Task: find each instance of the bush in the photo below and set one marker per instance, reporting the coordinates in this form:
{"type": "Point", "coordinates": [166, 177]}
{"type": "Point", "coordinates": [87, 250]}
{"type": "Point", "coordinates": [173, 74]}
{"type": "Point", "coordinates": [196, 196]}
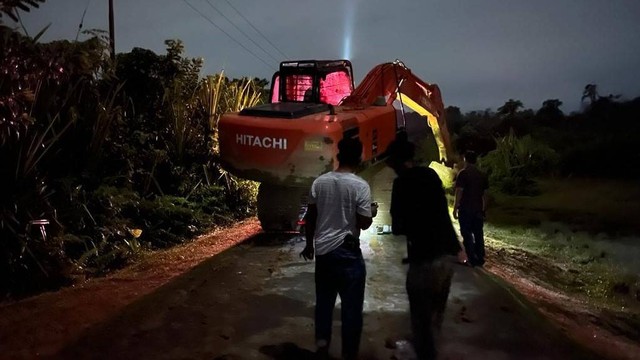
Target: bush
{"type": "Point", "coordinates": [118, 158]}
{"type": "Point", "coordinates": [514, 164]}
{"type": "Point", "coordinates": [48, 94]}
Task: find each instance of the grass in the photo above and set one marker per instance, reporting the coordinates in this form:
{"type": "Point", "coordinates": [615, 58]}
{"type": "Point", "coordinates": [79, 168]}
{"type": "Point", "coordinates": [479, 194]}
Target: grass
{"type": "Point", "coordinates": [590, 205]}
{"type": "Point", "coordinates": [584, 230]}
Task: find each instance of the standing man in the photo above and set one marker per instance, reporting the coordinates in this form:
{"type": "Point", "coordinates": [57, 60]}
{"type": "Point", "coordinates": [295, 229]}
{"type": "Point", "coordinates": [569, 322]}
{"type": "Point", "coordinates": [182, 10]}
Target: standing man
{"type": "Point", "coordinates": [419, 211]}
{"type": "Point", "coordinates": [470, 207]}
{"type": "Point", "coordinates": [339, 207]}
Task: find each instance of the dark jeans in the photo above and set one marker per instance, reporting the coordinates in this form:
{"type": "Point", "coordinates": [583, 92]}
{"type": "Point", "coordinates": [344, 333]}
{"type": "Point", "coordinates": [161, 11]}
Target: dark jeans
{"type": "Point", "coordinates": [342, 272]}
{"type": "Point", "coordinates": [472, 236]}
{"type": "Point", "coordinates": [428, 286]}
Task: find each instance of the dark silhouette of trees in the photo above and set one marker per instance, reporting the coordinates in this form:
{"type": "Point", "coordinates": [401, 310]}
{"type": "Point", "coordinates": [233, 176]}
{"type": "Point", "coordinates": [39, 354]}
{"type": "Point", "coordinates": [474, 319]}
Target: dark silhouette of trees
{"type": "Point", "coordinates": [599, 141]}
{"type": "Point", "coordinates": [10, 7]}
{"type": "Point", "coordinates": [512, 118]}
{"type": "Point", "coordinates": [455, 119]}
{"type": "Point", "coordinates": [510, 108]}
{"type": "Point", "coordinates": [95, 150]}
{"type": "Point", "coordinates": [550, 112]}
{"type": "Point", "coordinates": [590, 92]}
{"type": "Point", "coordinates": [552, 105]}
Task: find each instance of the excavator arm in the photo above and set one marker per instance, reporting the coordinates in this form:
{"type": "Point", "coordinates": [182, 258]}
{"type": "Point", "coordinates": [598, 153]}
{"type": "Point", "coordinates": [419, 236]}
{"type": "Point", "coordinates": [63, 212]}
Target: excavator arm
{"type": "Point", "coordinates": [394, 81]}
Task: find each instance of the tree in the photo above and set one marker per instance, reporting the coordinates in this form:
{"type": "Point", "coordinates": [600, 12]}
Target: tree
{"type": "Point", "coordinates": [142, 69]}
{"type": "Point", "coordinates": [455, 120]}
{"type": "Point", "coordinates": [9, 7]}
{"type": "Point", "coordinates": [550, 112]}
{"type": "Point", "coordinates": [510, 108]}
{"type": "Point", "coordinates": [55, 107]}
{"type": "Point", "coordinates": [590, 92]}
{"type": "Point", "coordinates": [552, 104]}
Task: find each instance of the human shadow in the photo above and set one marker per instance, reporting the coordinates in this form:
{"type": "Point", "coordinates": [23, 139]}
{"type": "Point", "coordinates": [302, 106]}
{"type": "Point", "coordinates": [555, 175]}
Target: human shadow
{"type": "Point", "coordinates": [289, 351]}
{"type": "Point", "coordinates": [257, 297]}
{"type": "Point", "coordinates": [223, 301]}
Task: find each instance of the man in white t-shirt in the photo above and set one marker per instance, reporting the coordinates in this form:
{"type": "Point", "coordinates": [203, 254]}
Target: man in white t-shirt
{"type": "Point", "coordinates": [339, 207]}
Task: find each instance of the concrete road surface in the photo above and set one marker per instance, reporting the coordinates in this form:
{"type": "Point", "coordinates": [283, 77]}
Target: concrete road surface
{"type": "Point", "coordinates": [255, 301]}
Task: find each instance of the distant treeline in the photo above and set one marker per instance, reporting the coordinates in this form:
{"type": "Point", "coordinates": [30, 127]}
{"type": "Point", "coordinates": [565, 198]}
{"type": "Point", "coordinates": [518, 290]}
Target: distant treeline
{"type": "Point", "coordinates": [519, 144]}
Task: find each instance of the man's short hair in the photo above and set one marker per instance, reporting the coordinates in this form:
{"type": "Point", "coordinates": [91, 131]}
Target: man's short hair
{"type": "Point", "coordinates": [400, 149]}
{"type": "Point", "coordinates": [349, 151]}
{"type": "Point", "coordinates": [470, 156]}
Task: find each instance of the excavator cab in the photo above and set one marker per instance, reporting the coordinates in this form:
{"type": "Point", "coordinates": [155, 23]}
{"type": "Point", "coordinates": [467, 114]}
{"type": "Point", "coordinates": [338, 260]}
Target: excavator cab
{"type": "Point", "coordinates": [312, 81]}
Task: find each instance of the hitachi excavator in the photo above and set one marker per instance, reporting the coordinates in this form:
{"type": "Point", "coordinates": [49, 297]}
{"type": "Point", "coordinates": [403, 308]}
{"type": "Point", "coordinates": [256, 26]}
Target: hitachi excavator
{"type": "Point", "coordinates": [286, 143]}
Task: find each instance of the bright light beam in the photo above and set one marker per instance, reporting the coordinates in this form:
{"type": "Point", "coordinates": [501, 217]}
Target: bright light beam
{"type": "Point", "coordinates": [346, 48]}
{"type": "Point", "coordinates": [349, 22]}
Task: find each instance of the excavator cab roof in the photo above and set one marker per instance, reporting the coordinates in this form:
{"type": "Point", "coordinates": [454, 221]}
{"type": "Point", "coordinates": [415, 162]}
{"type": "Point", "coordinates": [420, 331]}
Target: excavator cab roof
{"type": "Point", "coordinates": [319, 65]}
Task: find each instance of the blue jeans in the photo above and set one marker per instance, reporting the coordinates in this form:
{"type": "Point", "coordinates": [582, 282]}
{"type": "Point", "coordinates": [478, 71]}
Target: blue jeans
{"type": "Point", "coordinates": [342, 272]}
{"type": "Point", "coordinates": [471, 225]}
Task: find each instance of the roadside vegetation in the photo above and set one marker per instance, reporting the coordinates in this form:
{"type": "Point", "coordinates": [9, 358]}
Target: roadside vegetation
{"type": "Point", "coordinates": [105, 158]}
{"type": "Point", "coordinates": [564, 199]}
{"type": "Point", "coordinates": [587, 228]}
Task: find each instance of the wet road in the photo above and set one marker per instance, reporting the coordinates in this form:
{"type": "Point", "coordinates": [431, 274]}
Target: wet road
{"type": "Point", "coordinates": [255, 301]}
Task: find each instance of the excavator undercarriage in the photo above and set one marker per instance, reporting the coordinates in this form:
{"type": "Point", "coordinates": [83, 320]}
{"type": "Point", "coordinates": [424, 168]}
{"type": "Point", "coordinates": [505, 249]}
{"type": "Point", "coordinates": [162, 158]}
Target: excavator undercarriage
{"type": "Point", "coordinates": [281, 208]}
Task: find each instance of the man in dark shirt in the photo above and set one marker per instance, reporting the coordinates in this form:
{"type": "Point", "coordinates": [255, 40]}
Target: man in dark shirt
{"type": "Point", "coordinates": [419, 211]}
{"type": "Point", "coordinates": [470, 207]}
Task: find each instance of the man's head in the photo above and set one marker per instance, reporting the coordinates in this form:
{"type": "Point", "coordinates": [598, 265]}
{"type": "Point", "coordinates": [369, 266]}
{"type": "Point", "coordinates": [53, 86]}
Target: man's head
{"type": "Point", "coordinates": [349, 152]}
{"type": "Point", "coordinates": [399, 152]}
{"type": "Point", "coordinates": [470, 157]}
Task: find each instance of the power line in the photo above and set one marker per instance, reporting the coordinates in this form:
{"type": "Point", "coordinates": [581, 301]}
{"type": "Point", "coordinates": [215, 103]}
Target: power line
{"type": "Point", "coordinates": [243, 33]}
{"type": "Point", "coordinates": [256, 29]}
{"type": "Point", "coordinates": [271, 67]}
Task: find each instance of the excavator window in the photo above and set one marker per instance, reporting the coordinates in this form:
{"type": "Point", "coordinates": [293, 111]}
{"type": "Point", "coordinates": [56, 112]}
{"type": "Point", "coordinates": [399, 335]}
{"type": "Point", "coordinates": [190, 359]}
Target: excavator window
{"type": "Point", "coordinates": [274, 93]}
{"type": "Point", "coordinates": [296, 86]}
{"type": "Point", "coordinates": [319, 82]}
{"type": "Point", "coordinates": [334, 87]}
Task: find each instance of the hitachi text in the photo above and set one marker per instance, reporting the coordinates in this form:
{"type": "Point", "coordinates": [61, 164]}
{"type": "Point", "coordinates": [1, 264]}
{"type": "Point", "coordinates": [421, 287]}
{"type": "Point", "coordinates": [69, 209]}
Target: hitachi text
{"type": "Point", "coordinates": [263, 142]}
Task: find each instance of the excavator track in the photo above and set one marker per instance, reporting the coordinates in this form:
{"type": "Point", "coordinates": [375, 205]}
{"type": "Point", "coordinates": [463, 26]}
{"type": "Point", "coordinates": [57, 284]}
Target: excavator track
{"type": "Point", "coordinates": [279, 206]}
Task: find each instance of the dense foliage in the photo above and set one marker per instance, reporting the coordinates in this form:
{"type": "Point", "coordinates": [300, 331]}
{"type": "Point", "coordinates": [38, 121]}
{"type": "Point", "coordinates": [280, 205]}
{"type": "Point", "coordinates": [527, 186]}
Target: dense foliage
{"type": "Point", "coordinates": [10, 7]}
{"type": "Point", "coordinates": [101, 159]}
{"type": "Point", "coordinates": [517, 145]}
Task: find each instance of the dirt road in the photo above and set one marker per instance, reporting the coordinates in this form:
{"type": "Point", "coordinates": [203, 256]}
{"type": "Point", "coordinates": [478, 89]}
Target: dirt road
{"type": "Point", "coordinates": [255, 301]}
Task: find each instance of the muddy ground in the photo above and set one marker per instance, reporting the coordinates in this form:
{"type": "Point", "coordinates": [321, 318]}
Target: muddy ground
{"type": "Point", "coordinates": [43, 325]}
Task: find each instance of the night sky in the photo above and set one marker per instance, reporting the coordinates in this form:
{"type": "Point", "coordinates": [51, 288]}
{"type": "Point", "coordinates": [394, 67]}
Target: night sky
{"type": "Point", "coordinates": [480, 52]}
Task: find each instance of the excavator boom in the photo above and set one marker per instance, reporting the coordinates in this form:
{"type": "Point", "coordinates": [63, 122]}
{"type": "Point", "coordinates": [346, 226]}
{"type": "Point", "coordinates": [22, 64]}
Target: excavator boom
{"type": "Point", "coordinates": [394, 81]}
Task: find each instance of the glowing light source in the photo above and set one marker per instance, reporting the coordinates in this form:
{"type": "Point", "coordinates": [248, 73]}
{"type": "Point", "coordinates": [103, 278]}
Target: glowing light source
{"type": "Point", "coordinates": [349, 22]}
{"type": "Point", "coordinates": [346, 48]}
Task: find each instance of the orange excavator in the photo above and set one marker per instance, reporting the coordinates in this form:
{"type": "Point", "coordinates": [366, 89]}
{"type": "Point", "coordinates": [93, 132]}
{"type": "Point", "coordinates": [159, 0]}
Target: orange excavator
{"type": "Point", "coordinates": [286, 143]}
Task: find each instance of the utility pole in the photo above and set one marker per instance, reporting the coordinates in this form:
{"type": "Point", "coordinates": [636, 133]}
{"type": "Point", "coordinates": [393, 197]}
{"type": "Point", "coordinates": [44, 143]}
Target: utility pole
{"type": "Point", "coordinates": [112, 36]}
